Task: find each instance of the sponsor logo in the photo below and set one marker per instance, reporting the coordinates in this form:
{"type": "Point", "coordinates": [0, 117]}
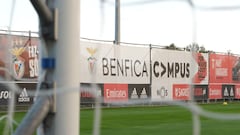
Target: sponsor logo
{"type": "Point", "coordinates": [215, 92]}
{"type": "Point", "coordinates": [124, 67]}
{"type": "Point", "coordinates": [18, 62]}
{"type": "Point", "coordinates": [200, 91]}
{"type": "Point", "coordinates": [227, 93]}
{"type": "Point", "coordinates": [143, 93]}
{"type": "Point", "coordinates": [5, 94]}
{"type": "Point", "coordinates": [115, 92]}
{"type": "Point", "coordinates": [171, 69]}
{"type": "Point", "coordinates": [85, 94]}
{"type": "Point", "coordinates": [92, 60]}
{"type": "Point", "coordinates": [23, 97]}
{"type": "Point", "coordinates": [18, 68]}
{"type": "Point", "coordinates": [139, 94]}
{"type": "Point", "coordinates": [162, 92]}
{"type": "Point", "coordinates": [181, 92]}
{"type": "Point", "coordinates": [134, 94]}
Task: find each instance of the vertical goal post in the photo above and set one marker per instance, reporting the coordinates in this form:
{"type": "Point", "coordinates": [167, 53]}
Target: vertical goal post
{"type": "Point", "coordinates": [60, 33]}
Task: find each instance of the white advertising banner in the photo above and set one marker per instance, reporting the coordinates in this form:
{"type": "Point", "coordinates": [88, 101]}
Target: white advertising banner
{"type": "Point", "coordinates": [108, 63]}
{"type": "Point", "coordinates": [173, 71]}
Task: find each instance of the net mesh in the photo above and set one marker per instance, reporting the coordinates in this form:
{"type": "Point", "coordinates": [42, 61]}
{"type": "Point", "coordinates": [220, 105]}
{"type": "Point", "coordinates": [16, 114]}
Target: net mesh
{"type": "Point", "coordinates": [13, 81]}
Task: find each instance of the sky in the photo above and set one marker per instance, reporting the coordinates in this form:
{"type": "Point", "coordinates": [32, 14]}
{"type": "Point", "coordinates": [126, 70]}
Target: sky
{"type": "Point", "coordinates": [158, 22]}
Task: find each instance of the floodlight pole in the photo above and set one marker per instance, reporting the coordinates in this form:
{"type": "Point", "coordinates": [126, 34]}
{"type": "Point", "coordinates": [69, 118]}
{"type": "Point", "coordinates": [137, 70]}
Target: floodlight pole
{"type": "Point", "coordinates": [117, 22]}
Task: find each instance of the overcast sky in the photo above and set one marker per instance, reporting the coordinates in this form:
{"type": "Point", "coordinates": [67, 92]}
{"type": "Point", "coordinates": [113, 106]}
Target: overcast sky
{"type": "Point", "coordinates": [145, 21]}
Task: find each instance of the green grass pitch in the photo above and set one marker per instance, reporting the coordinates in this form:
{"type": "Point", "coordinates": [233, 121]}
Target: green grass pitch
{"type": "Point", "coordinates": [154, 120]}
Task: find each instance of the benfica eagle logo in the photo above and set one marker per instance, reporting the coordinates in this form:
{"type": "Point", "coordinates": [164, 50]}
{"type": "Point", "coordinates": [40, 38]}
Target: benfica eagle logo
{"type": "Point", "coordinates": [92, 60]}
{"type": "Point", "coordinates": [18, 62]}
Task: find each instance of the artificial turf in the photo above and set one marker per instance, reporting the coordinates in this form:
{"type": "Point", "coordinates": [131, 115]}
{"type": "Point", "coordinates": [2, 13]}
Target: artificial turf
{"type": "Point", "coordinates": [160, 120]}
{"type": "Point", "coordinates": [153, 120]}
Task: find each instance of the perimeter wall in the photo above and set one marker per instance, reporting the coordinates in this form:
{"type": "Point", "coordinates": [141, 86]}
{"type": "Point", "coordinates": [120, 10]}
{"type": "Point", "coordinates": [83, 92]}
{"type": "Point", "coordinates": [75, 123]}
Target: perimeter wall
{"type": "Point", "coordinates": [126, 72]}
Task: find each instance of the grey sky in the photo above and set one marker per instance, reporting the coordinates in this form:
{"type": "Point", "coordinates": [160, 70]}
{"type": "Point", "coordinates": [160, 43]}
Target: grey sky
{"type": "Point", "coordinates": [155, 22]}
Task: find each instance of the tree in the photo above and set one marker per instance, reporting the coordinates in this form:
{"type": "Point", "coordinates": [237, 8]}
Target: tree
{"type": "Point", "coordinates": [172, 46]}
{"type": "Point", "coordinates": [195, 47]}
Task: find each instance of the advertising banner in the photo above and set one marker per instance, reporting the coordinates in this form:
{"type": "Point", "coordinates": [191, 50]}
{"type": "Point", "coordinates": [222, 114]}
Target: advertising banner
{"type": "Point", "coordinates": [215, 91]}
{"type": "Point", "coordinates": [21, 53]}
{"type": "Point", "coordinates": [200, 92]}
{"type": "Point", "coordinates": [108, 63]}
{"type": "Point", "coordinates": [22, 98]}
{"type": "Point", "coordinates": [237, 91]}
{"type": "Point", "coordinates": [173, 71]}
{"type": "Point", "coordinates": [228, 91]}
{"type": "Point", "coordinates": [112, 93]}
{"type": "Point", "coordinates": [181, 91]}
{"type": "Point", "coordinates": [115, 93]}
{"type": "Point", "coordinates": [5, 94]}
{"type": "Point", "coordinates": [224, 68]}
{"type": "Point", "coordinates": [87, 90]}
{"type": "Point", "coordinates": [201, 74]}
{"type": "Point", "coordinates": [139, 91]}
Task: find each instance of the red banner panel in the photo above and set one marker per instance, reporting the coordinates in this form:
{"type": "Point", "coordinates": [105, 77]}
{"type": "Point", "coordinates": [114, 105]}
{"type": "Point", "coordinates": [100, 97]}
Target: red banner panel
{"type": "Point", "coordinates": [181, 92]}
{"type": "Point", "coordinates": [237, 91]}
{"type": "Point", "coordinates": [202, 72]}
{"type": "Point", "coordinates": [115, 92]}
{"type": "Point", "coordinates": [224, 68]}
{"type": "Point", "coordinates": [215, 91]}
{"type": "Point", "coordinates": [219, 68]}
{"type": "Point", "coordinates": [22, 55]}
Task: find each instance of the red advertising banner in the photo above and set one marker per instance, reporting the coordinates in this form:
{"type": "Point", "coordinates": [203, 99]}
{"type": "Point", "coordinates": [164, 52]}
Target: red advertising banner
{"type": "Point", "coordinates": [237, 91]}
{"type": "Point", "coordinates": [202, 72]}
{"type": "Point", "coordinates": [219, 68]}
{"type": "Point", "coordinates": [22, 52]}
{"type": "Point", "coordinates": [224, 68]}
{"type": "Point", "coordinates": [215, 91]}
{"type": "Point", "coordinates": [181, 92]}
{"type": "Point", "coordinates": [115, 92]}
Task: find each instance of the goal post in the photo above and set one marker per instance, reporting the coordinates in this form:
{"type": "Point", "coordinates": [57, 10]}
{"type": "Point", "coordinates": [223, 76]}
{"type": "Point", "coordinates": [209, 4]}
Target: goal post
{"type": "Point", "coordinates": [67, 70]}
{"type": "Point", "coordinates": [60, 31]}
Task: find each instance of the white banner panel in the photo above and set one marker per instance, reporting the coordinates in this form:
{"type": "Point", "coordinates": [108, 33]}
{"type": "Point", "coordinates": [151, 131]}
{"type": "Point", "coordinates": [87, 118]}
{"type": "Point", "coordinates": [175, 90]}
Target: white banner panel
{"type": "Point", "coordinates": [105, 63]}
{"type": "Point", "coordinates": [173, 71]}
